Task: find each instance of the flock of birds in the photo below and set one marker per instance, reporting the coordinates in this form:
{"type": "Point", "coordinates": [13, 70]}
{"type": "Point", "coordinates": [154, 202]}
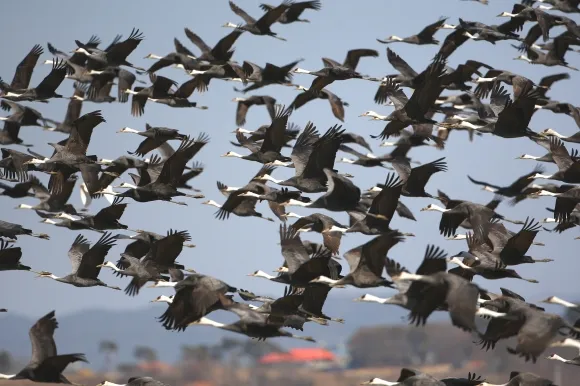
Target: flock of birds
{"type": "Point", "coordinates": [309, 270]}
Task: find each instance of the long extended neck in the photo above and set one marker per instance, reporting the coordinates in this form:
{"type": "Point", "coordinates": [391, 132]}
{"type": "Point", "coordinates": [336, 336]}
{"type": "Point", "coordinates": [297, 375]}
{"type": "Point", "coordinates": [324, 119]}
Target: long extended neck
{"type": "Point", "coordinates": [6, 376]}
{"type": "Point", "coordinates": [159, 284]}
{"type": "Point", "coordinates": [556, 357]}
{"type": "Point", "coordinates": [379, 381]}
{"type": "Point", "coordinates": [263, 275]}
{"type": "Point", "coordinates": [107, 383]}
{"type": "Point", "coordinates": [328, 281]}
{"type": "Point", "coordinates": [562, 302]}
{"type": "Point", "coordinates": [410, 277]}
{"type": "Point", "coordinates": [208, 322]}
{"type": "Point", "coordinates": [293, 202]}
{"type": "Point", "coordinates": [555, 133]}
{"type": "Point", "coordinates": [485, 312]}
{"type": "Point", "coordinates": [372, 299]}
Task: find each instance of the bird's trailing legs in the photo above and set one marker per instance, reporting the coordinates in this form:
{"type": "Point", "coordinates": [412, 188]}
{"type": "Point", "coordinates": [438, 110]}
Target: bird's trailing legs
{"type": "Point", "coordinates": [194, 195]}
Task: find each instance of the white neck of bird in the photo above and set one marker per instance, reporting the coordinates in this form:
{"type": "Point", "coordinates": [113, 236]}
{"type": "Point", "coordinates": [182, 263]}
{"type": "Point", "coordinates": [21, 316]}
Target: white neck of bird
{"type": "Point", "coordinates": [129, 130]}
{"type": "Point", "coordinates": [335, 228]}
{"type": "Point", "coordinates": [455, 260]}
{"type": "Point", "coordinates": [129, 91]}
{"type": "Point", "coordinates": [299, 70]}
{"type": "Point", "coordinates": [301, 88]}
{"type": "Point", "coordinates": [107, 383]}
{"type": "Point", "coordinates": [508, 14]}
{"type": "Point", "coordinates": [469, 35]}
{"type": "Point", "coordinates": [489, 189]}
{"type": "Point", "coordinates": [160, 284]}
{"type": "Point", "coordinates": [48, 61]}
{"type": "Point", "coordinates": [250, 194]}
{"type": "Point", "coordinates": [485, 312]}
{"type": "Point", "coordinates": [408, 276]}
{"type": "Point", "coordinates": [468, 125]}
{"type": "Point", "coordinates": [279, 163]}
{"type": "Point", "coordinates": [347, 160]}
{"type": "Point", "coordinates": [371, 299]}
{"type": "Point", "coordinates": [238, 99]}
{"type": "Point", "coordinates": [562, 302]}
{"type": "Point", "coordinates": [292, 215]}
{"type": "Point", "coordinates": [548, 220]}
{"type": "Point", "coordinates": [546, 7]}
{"type": "Point", "coordinates": [524, 58]}
{"type": "Point", "coordinates": [435, 208]}
{"type": "Point", "coordinates": [263, 275]}
{"type": "Point", "coordinates": [67, 216]}
{"type": "Point", "coordinates": [163, 299]}
{"type": "Point", "coordinates": [527, 156]}
{"type": "Point", "coordinates": [232, 154]}
{"type": "Point", "coordinates": [324, 280]}
{"type": "Point", "coordinates": [243, 131]}
{"type": "Point", "coordinates": [448, 26]}
{"type": "Point", "coordinates": [553, 132]}
{"type": "Point", "coordinates": [197, 72]}
{"type": "Point", "coordinates": [24, 206]}
{"type": "Point", "coordinates": [207, 322]}
{"type": "Point", "coordinates": [556, 357]}
{"type": "Point", "coordinates": [379, 381]}
{"type": "Point", "coordinates": [212, 203]}
{"type": "Point", "coordinates": [374, 115]}
{"type": "Point", "coordinates": [124, 185]}
{"type": "Point", "coordinates": [12, 94]}
{"type": "Point", "coordinates": [293, 202]}
{"type": "Point", "coordinates": [48, 221]}
{"type": "Point", "coordinates": [484, 80]}
{"type": "Point", "coordinates": [493, 384]}
{"type": "Point", "coordinates": [545, 192]}
{"type": "Point", "coordinates": [49, 275]}
{"type": "Point", "coordinates": [112, 266]}
{"type": "Point", "coordinates": [153, 56]}
{"type": "Point", "coordinates": [230, 25]}
{"type": "Point", "coordinates": [395, 38]}
{"type": "Point", "coordinates": [457, 237]}
{"type": "Point", "coordinates": [3, 118]}
{"type": "Point", "coordinates": [6, 376]}
{"type": "Point", "coordinates": [387, 144]}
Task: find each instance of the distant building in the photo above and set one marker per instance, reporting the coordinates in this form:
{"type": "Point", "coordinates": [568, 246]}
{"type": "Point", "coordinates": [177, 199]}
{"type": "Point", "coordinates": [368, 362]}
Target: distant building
{"type": "Point", "coordinates": [317, 357]}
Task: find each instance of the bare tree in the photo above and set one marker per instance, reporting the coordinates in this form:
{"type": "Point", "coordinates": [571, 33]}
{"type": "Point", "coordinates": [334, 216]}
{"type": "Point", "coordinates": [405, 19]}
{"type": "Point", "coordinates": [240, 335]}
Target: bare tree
{"type": "Point", "coordinates": [145, 353]}
{"type": "Point", "coordinates": [109, 350]}
{"type": "Point", "coordinates": [6, 361]}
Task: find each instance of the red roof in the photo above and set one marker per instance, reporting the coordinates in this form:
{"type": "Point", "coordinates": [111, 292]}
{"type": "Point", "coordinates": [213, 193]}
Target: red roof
{"type": "Point", "coordinates": [299, 355]}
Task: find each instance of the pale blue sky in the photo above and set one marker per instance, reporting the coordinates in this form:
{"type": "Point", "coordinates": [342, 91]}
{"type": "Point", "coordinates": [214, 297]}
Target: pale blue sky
{"type": "Point", "coordinates": [231, 249]}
